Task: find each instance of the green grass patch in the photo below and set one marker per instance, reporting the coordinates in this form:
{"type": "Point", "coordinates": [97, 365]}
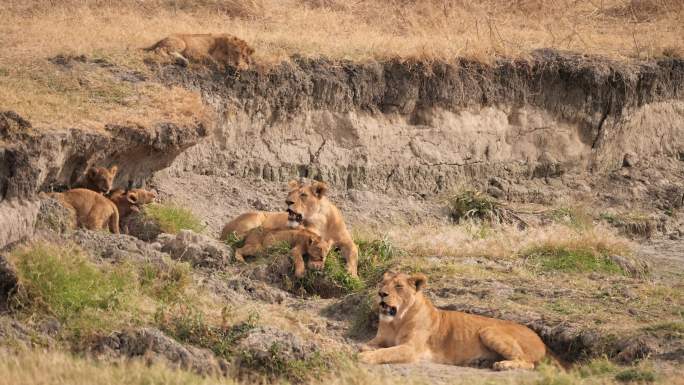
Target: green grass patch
{"type": "Point", "coordinates": [234, 241]}
{"type": "Point", "coordinates": [636, 375]}
{"type": "Point", "coordinates": [596, 367]}
{"type": "Point", "coordinates": [671, 330]}
{"type": "Point", "coordinates": [275, 365]}
{"type": "Point", "coordinates": [187, 324]}
{"type": "Point", "coordinates": [375, 257]}
{"type": "Point", "coordinates": [571, 260]}
{"type": "Point", "coordinates": [471, 204]}
{"type": "Point", "coordinates": [61, 282]}
{"type": "Point", "coordinates": [172, 218]}
{"type": "Point", "coordinates": [165, 282]}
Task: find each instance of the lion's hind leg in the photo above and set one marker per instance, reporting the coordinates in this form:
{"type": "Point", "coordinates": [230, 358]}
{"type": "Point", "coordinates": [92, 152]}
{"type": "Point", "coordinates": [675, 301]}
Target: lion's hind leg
{"type": "Point", "coordinates": [508, 347]}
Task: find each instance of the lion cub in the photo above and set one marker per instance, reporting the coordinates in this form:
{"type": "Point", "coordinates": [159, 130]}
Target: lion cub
{"type": "Point", "coordinates": [219, 48]}
{"type": "Point", "coordinates": [301, 241]}
{"type": "Point", "coordinates": [100, 179]}
{"type": "Point", "coordinates": [129, 202]}
{"type": "Point", "coordinates": [92, 210]}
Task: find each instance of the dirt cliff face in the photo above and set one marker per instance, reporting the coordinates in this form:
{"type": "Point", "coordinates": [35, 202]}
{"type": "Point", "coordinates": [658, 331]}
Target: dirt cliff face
{"type": "Point", "coordinates": [425, 127]}
{"type": "Point", "coordinates": [36, 159]}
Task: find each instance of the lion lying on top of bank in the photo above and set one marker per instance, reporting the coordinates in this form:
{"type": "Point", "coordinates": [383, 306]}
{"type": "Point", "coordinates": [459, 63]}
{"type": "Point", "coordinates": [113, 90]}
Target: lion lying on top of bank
{"type": "Point", "coordinates": [221, 49]}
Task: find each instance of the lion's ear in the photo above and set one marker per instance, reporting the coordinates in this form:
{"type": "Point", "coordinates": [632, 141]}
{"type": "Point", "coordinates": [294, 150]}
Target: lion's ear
{"type": "Point", "coordinates": [388, 274]}
{"type": "Point", "coordinates": [113, 170]}
{"type": "Point", "coordinates": [319, 188]}
{"type": "Point", "coordinates": [132, 197]}
{"type": "Point", "coordinates": [293, 184]}
{"type": "Point", "coordinates": [418, 280]}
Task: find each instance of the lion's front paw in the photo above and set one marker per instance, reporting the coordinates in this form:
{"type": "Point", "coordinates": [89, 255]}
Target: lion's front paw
{"type": "Point", "coordinates": [366, 357]}
{"type": "Point", "coordinates": [366, 348]}
{"type": "Point", "coordinates": [513, 364]}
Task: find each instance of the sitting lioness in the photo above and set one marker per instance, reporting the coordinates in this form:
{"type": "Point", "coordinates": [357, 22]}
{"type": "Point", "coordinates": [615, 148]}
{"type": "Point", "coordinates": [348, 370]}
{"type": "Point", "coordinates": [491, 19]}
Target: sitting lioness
{"type": "Point", "coordinates": [222, 48]}
{"type": "Point", "coordinates": [91, 210]}
{"type": "Point", "coordinates": [307, 207]}
{"type": "Point", "coordinates": [411, 329]}
{"type": "Point", "coordinates": [301, 241]}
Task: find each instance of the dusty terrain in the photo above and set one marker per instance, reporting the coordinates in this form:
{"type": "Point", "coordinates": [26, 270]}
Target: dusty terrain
{"type": "Point", "coordinates": [529, 159]}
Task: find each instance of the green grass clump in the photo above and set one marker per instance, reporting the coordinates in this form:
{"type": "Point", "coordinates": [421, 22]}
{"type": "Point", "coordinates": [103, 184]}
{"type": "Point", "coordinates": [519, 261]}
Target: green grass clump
{"type": "Point", "coordinates": [187, 324]}
{"type": "Point", "coordinates": [172, 218]}
{"type": "Point", "coordinates": [61, 282]}
{"type": "Point", "coordinates": [166, 281]}
{"type": "Point", "coordinates": [471, 204]}
{"type": "Point", "coordinates": [571, 260]}
{"type": "Point", "coordinates": [375, 257]}
{"type": "Point", "coordinates": [671, 330]}
{"type": "Point", "coordinates": [636, 375]}
{"type": "Point", "coordinates": [234, 241]}
{"type": "Point", "coordinates": [277, 365]}
{"type": "Point", "coordinates": [596, 367]}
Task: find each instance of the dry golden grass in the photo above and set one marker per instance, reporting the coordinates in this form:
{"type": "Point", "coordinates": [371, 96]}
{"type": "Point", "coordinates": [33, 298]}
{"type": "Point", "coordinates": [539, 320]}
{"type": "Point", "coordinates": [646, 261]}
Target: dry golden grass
{"type": "Point", "coordinates": [472, 239]}
{"type": "Point", "coordinates": [33, 30]}
{"type": "Point", "coordinates": [355, 29]}
{"type": "Point", "coordinates": [43, 368]}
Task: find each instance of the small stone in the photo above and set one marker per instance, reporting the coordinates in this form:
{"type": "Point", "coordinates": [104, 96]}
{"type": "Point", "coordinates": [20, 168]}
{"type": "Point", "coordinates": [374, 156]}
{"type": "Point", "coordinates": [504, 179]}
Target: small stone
{"type": "Point", "coordinates": [630, 159]}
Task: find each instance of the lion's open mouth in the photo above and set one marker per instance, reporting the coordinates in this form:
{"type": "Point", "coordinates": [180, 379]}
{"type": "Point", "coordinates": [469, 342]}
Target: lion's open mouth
{"type": "Point", "coordinates": [294, 217]}
{"type": "Point", "coordinates": [387, 310]}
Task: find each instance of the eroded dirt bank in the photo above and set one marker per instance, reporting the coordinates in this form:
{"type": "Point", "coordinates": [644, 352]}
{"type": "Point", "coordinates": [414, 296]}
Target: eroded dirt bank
{"type": "Point", "coordinates": [425, 127]}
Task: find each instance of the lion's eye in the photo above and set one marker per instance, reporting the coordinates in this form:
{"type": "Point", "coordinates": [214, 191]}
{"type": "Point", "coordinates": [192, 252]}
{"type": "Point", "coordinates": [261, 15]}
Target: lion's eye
{"type": "Point", "coordinates": [302, 195]}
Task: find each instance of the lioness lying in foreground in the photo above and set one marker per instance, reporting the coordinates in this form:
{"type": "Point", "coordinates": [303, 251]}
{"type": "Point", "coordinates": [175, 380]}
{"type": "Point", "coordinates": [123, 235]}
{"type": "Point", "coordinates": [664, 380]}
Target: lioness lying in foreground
{"type": "Point", "coordinates": [411, 329]}
{"type": "Point", "coordinates": [301, 241]}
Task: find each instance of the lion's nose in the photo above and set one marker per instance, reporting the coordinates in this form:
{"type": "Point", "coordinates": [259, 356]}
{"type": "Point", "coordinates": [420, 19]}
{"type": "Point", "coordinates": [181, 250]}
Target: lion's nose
{"type": "Point", "coordinates": [289, 202]}
{"type": "Point", "coordinates": [382, 294]}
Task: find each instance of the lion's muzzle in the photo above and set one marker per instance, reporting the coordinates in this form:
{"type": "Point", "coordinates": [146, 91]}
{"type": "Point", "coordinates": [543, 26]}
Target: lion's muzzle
{"type": "Point", "coordinates": [387, 310]}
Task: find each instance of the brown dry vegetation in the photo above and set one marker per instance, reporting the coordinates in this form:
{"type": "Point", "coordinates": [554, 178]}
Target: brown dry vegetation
{"type": "Point", "coordinates": [32, 31]}
{"type": "Point", "coordinates": [355, 29]}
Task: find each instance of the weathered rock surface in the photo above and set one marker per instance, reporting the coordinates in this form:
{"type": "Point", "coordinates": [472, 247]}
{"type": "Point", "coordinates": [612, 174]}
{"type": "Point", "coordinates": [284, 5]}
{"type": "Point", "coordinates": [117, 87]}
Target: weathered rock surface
{"type": "Point", "coordinates": [262, 343]}
{"type": "Point", "coordinates": [153, 346]}
{"type": "Point", "coordinates": [199, 250]}
{"type": "Point", "coordinates": [116, 247]}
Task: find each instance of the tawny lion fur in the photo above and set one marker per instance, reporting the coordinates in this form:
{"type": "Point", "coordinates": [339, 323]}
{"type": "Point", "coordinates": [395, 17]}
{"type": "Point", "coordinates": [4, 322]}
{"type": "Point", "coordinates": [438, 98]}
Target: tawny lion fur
{"type": "Point", "coordinates": [223, 49]}
{"type": "Point", "coordinates": [130, 202]}
{"type": "Point", "coordinates": [308, 208]}
{"type": "Point", "coordinates": [91, 210]}
{"type": "Point", "coordinates": [100, 179]}
{"type": "Point", "coordinates": [411, 329]}
{"type": "Point", "coordinates": [301, 241]}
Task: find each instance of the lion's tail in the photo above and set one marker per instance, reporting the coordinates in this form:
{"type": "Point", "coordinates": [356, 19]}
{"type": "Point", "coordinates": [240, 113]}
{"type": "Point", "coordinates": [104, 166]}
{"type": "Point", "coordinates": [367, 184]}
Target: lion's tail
{"type": "Point", "coordinates": [561, 363]}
